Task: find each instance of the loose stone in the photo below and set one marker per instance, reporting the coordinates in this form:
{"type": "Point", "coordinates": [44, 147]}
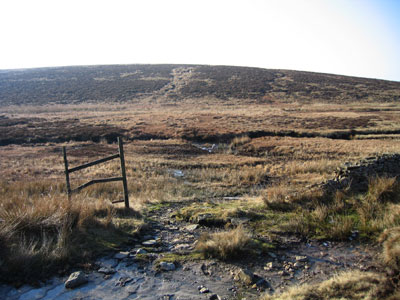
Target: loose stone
{"type": "Point", "coordinates": [149, 243]}
{"type": "Point", "coordinates": [75, 279]}
{"type": "Point", "coordinates": [121, 255]}
{"type": "Point", "coordinates": [106, 270]}
{"type": "Point", "coordinates": [141, 251]}
{"type": "Point", "coordinates": [166, 266]}
{"type": "Point", "coordinates": [301, 258]}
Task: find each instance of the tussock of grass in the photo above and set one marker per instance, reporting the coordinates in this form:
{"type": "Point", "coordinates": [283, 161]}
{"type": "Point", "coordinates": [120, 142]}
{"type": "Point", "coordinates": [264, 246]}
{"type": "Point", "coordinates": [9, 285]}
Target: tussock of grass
{"type": "Point", "coordinates": [391, 248]}
{"type": "Point", "coordinates": [277, 198]}
{"type": "Point", "coordinates": [225, 245]}
{"type": "Point", "coordinates": [380, 191]}
{"type": "Point", "coordinates": [353, 285]}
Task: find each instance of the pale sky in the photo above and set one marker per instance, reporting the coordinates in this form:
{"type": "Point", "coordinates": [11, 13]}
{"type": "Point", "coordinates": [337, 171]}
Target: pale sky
{"type": "Point", "coordinates": [349, 37]}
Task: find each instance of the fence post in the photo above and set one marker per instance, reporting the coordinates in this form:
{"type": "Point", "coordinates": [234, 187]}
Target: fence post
{"type": "Point", "coordinates": [123, 173]}
{"type": "Point", "coordinates": [67, 173]}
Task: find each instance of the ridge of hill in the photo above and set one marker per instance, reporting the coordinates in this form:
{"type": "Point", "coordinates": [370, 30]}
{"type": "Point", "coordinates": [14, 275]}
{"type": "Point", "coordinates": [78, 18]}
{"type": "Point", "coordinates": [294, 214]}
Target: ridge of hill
{"type": "Point", "coordinates": [171, 83]}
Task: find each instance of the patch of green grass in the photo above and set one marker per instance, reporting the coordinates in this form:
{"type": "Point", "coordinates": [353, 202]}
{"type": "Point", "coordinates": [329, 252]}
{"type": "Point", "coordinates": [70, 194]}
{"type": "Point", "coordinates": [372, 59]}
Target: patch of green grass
{"type": "Point", "coordinates": [179, 258]}
{"type": "Point", "coordinates": [155, 206]}
{"type": "Point", "coordinates": [221, 211]}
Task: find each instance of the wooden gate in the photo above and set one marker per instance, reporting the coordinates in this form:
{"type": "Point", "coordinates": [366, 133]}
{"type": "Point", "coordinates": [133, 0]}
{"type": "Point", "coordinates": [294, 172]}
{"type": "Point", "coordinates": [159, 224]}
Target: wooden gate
{"type": "Point", "coordinates": [120, 154]}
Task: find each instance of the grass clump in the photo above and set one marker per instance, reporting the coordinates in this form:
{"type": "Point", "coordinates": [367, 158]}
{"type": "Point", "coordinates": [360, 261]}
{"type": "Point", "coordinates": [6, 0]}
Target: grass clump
{"type": "Point", "coordinates": [353, 285]}
{"type": "Point", "coordinates": [276, 198]}
{"type": "Point", "coordinates": [225, 245]}
{"type": "Point", "coordinates": [391, 248]}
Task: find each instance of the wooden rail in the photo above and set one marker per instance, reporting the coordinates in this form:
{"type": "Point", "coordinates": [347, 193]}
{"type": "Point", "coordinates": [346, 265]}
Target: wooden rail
{"type": "Point", "coordinates": [101, 180]}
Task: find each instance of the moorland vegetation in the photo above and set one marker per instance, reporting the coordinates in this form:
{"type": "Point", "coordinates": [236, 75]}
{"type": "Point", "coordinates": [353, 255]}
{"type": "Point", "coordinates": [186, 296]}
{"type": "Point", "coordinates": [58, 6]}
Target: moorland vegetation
{"type": "Point", "coordinates": [224, 142]}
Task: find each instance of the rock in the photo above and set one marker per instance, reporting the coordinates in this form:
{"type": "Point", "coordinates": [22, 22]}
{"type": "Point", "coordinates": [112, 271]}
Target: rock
{"type": "Point", "coordinates": [203, 217]}
{"type": "Point", "coordinates": [204, 290]}
{"type": "Point", "coordinates": [106, 270]}
{"type": "Point", "coordinates": [261, 283]}
{"type": "Point", "coordinates": [271, 265]}
{"type": "Point", "coordinates": [121, 255]}
{"type": "Point", "coordinates": [239, 221]}
{"type": "Point", "coordinates": [75, 279]}
{"type": "Point", "coordinates": [192, 228]}
{"type": "Point", "coordinates": [273, 255]}
{"type": "Point", "coordinates": [122, 281]}
{"type": "Point", "coordinates": [205, 270]}
{"type": "Point", "coordinates": [215, 297]}
{"type": "Point", "coordinates": [301, 258]}
{"type": "Point", "coordinates": [166, 266]}
{"type": "Point", "coordinates": [208, 220]}
{"type": "Point", "coordinates": [181, 247]}
{"type": "Point", "coordinates": [141, 251]}
{"type": "Point", "coordinates": [245, 276]}
{"type": "Point", "coordinates": [149, 243]}
{"type": "Point", "coordinates": [283, 273]}
{"type": "Point", "coordinates": [108, 263]}
{"type": "Point", "coordinates": [297, 264]}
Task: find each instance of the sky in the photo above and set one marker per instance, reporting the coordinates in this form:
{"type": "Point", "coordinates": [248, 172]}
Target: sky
{"type": "Point", "coordinates": [348, 37]}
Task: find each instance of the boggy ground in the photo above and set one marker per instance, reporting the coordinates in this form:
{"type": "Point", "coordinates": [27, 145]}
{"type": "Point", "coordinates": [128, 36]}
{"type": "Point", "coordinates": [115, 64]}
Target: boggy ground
{"type": "Point", "coordinates": [268, 186]}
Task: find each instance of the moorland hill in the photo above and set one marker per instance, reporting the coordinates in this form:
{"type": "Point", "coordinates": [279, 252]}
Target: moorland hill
{"type": "Point", "coordinates": [171, 83]}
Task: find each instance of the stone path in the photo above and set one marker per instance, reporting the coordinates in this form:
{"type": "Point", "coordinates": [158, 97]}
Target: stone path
{"type": "Point", "coordinates": [123, 276]}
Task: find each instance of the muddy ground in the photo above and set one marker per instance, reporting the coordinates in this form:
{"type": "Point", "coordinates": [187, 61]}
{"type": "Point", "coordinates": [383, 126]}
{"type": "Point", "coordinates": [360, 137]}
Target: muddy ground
{"type": "Point", "coordinates": [136, 273]}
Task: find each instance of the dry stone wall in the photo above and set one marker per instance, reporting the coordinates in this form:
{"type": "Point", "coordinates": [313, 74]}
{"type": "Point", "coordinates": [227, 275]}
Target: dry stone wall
{"type": "Point", "coordinates": [356, 175]}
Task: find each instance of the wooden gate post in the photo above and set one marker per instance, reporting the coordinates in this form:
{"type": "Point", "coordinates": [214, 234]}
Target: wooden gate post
{"type": "Point", "coordinates": [67, 173]}
{"type": "Point", "coordinates": [101, 180]}
{"type": "Point", "coordinates": [123, 173]}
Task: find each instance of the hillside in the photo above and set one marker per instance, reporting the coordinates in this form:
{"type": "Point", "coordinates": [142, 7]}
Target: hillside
{"type": "Point", "coordinates": [169, 83]}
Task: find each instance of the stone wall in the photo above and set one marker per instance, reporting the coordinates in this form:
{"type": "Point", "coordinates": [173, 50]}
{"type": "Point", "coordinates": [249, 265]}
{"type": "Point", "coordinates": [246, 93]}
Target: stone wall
{"type": "Point", "coordinates": [356, 175]}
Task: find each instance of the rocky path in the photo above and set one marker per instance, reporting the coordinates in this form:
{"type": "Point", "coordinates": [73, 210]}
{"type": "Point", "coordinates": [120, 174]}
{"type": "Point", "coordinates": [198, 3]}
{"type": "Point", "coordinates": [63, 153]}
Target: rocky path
{"type": "Point", "coordinates": [136, 272]}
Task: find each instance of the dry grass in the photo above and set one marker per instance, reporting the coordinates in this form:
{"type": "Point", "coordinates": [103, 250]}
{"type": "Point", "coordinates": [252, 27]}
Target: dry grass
{"type": "Point", "coordinates": [41, 231]}
{"type": "Point", "coordinates": [279, 169]}
{"type": "Point", "coordinates": [391, 248]}
{"type": "Point", "coordinates": [225, 245]}
{"type": "Point", "coordinates": [377, 209]}
{"type": "Point", "coordinates": [353, 285]}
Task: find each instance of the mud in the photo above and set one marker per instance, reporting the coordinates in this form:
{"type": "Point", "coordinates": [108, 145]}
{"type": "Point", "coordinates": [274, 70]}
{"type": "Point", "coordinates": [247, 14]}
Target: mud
{"type": "Point", "coordinates": [293, 262]}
